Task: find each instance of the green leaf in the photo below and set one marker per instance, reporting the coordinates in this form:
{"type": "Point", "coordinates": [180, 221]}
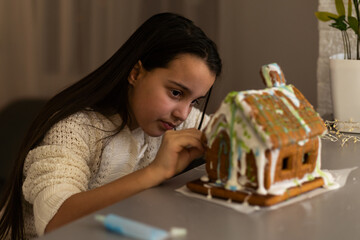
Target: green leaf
{"type": "Point", "coordinates": [340, 8]}
{"type": "Point", "coordinates": [353, 23]}
{"type": "Point", "coordinates": [325, 16]}
{"type": "Point", "coordinates": [339, 23]}
{"type": "Point", "coordinates": [349, 8]}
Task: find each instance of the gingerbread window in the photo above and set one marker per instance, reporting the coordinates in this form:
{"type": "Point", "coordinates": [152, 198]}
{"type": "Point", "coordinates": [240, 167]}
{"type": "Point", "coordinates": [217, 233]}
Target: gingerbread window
{"type": "Point", "coordinates": [286, 164]}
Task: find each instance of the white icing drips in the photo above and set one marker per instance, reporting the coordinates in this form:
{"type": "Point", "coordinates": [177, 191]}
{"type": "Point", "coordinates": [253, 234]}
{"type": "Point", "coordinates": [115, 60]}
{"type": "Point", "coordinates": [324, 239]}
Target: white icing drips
{"type": "Point", "coordinates": [243, 164]}
{"type": "Point", "coordinates": [204, 178]}
{"type": "Point", "coordinates": [260, 163]}
{"type": "Point", "coordinates": [288, 91]}
{"type": "Point", "coordinates": [274, 159]}
{"type": "Point", "coordinates": [209, 196]}
{"type": "Point", "coordinates": [232, 183]}
{"type": "Point", "coordinates": [302, 143]}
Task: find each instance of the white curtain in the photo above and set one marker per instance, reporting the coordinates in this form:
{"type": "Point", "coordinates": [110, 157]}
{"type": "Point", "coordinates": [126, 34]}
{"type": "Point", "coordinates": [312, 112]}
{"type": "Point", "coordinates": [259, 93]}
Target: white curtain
{"type": "Point", "coordinates": [47, 45]}
{"type": "Point", "coordinates": [330, 42]}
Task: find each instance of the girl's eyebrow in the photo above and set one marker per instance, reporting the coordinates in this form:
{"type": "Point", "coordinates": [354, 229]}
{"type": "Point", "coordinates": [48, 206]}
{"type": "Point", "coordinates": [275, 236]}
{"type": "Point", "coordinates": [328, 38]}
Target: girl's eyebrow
{"type": "Point", "coordinates": [181, 86]}
{"type": "Point", "coordinates": [184, 88]}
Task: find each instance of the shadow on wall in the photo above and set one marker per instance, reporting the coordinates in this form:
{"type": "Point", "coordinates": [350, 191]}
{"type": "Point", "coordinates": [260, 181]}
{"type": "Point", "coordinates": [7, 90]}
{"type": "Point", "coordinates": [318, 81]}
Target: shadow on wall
{"type": "Point", "coordinates": [15, 120]}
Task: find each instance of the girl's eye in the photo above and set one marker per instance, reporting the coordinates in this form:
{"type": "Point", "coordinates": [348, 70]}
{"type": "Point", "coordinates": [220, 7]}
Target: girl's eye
{"type": "Point", "coordinates": [176, 93]}
{"type": "Point", "coordinates": [195, 102]}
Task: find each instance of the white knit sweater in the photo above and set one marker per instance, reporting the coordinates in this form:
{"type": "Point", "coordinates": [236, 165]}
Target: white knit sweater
{"type": "Point", "coordinates": [78, 154]}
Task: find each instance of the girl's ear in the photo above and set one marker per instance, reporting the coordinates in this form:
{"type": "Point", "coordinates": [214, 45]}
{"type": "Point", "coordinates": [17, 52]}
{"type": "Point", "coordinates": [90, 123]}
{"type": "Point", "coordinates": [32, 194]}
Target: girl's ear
{"type": "Point", "coordinates": [134, 73]}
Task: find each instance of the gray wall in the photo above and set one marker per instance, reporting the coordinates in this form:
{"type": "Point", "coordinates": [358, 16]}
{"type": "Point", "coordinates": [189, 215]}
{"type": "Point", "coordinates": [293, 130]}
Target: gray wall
{"type": "Point", "coordinates": [253, 33]}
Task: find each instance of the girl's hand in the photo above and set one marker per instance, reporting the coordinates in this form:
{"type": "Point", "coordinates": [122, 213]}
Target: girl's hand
{"type": "Point", "coordinates": [177, 150]}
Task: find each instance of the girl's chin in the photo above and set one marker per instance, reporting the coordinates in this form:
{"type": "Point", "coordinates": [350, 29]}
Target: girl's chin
{"type": "Point", "coordinates": [154, 133]}
{"type": "Point", "coordinates": [154, 130]}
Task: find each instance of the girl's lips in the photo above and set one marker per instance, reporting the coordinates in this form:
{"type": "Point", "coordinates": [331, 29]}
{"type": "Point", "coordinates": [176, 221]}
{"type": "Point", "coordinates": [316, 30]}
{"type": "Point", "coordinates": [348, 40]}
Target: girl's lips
{"type": "Point", "coordinates": [167, 125]}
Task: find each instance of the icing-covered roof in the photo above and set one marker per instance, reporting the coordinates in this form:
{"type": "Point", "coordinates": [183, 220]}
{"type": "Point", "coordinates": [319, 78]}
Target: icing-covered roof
{"type": "Point", "coordinates": [276, 116]}
{"type": "Point", "coordinates": [279, 115]}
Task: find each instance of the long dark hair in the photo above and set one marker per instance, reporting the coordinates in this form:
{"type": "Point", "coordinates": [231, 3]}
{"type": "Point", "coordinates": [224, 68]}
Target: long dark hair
{"type": "Point", "coordinates": [155, 43]}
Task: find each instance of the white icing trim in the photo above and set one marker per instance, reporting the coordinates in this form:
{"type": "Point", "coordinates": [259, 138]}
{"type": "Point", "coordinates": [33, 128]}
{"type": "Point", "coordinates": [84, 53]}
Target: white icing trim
{"type": "Point", "coordinates": [288, 91]}
{"type": "Point", "coordinates": [261, 161]}
{"type": "Point", "coordinates": [232, 183]}
{"type": "Point", "coordinates": [274, 158]}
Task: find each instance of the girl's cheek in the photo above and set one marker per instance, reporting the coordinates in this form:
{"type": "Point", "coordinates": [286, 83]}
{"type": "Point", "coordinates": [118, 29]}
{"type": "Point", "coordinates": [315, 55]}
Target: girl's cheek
{"type": "Point", "coordinates": [166, 100]}
{"type": "Point", "coordinates": [166, 106]}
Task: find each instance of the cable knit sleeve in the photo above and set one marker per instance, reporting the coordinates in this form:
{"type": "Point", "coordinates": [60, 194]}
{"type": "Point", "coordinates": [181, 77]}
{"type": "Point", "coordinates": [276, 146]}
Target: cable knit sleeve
{"type": "Point", "coordinates": [60, 166]}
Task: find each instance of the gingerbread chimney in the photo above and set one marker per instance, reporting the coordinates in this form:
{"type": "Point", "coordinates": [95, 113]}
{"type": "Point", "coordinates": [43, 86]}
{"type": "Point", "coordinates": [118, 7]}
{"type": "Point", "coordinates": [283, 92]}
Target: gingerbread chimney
{"type": "Point", "coordinates": [272, 75]}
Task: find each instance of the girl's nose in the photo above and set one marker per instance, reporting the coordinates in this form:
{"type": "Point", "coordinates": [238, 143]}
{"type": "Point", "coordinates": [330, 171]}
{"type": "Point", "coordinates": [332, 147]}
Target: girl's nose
{"type": "Point", "coordinates": [181, 111]}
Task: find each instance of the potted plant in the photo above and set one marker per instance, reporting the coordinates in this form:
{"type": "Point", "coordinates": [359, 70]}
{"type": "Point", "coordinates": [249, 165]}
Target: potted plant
{"type": "Point", "coordinates": [345, 67]}
{"type": "Point", "coordinates": [343, 22]}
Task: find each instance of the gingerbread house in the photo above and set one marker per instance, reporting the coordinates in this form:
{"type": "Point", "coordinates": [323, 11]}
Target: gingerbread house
{"type": "Point", "coordinates": [263, 146]}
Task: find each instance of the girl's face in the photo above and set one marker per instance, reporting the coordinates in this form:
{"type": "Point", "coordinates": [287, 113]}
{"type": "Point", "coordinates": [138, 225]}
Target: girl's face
{"type": "Point", "coordinates": [162, 98]}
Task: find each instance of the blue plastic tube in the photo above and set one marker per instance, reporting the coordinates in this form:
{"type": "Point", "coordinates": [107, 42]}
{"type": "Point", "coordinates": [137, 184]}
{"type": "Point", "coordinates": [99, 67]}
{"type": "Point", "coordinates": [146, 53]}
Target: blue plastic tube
{"type": "Point", "coordinates": [131, 228]}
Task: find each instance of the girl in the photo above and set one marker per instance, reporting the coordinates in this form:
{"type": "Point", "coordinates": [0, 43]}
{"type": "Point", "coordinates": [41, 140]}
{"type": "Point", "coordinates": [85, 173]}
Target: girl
{"type": "Point", "coordinates": [112, 134]}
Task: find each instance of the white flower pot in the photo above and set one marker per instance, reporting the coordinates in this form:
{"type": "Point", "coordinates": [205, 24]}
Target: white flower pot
{"type": "Point", "coordinates": [345, 88]}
